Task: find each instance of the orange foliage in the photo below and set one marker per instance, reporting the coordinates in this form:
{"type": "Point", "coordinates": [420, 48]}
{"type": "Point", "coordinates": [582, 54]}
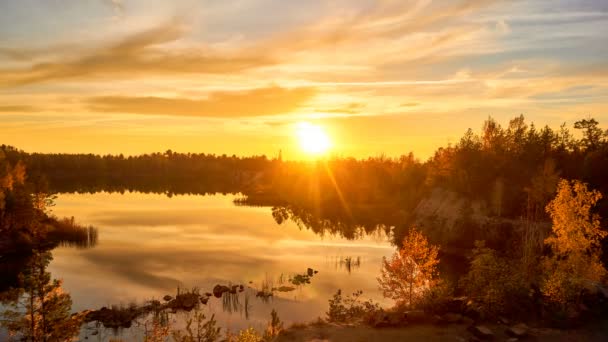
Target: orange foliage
{"type": "Point", "coordinates": [411, 271]}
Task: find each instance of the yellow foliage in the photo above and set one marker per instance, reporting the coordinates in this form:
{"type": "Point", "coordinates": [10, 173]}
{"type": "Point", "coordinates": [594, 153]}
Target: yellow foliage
{"type": "Point", "coordinates": [575, 244]}
{"type": "Point", "coordinates": [411, 271]}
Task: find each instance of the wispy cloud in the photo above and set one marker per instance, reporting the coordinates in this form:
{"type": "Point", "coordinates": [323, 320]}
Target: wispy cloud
{"type": "Point", "coordinates": [137, 55]}
{"type": "Point", "coordinates": [257, 102]}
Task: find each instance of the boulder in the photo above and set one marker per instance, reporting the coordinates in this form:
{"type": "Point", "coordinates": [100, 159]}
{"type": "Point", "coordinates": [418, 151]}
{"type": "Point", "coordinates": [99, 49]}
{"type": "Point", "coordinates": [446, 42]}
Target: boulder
{"type": "Point", "coordinates": [503, 320]}
{"type": "Point", "coordinates": [219, 290]}
{"type": "Point", "coordinates": [518, 330]}
{"type": "Point", "coordinates": [384, 319]}
{"type": "Point", "coordinates": [457, 304]}
{"type": "Point", "coordinates": [310, 272]}
{"type": "Point", "coordinates": [482, 332]}
{"type": "Point", "coordinates": [467, 320]}
{"type": "Point", "coordinates": [452, 318]}
{"type": "Point", "coordinates": [167, 298]}
{"type": "Point", "coordinates": [417, 316]}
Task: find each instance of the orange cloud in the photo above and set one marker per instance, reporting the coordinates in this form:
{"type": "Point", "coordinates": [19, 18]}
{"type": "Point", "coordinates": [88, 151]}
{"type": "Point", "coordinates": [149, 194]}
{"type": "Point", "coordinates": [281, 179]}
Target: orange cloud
{"type": "Point", "coordinates": [133, 56]}
{"type": "Point", "coordinates": [257, 102]}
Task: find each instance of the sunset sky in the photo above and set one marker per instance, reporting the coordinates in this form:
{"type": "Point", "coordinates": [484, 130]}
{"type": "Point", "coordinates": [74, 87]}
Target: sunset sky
{"type": "Point", "coordinates": [237, 77]}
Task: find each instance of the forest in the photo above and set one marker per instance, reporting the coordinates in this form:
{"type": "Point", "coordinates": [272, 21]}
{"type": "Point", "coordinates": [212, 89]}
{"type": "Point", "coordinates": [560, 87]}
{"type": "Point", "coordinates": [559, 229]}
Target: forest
{"type": "Point", "coordinates": [493, 182]}
{"type": "Point", "coordinates": [518, 211]}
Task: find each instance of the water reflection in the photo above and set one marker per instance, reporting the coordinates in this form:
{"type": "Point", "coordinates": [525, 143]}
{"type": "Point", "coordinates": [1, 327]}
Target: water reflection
{"type": "Point", "coordinates": [152, 244]}
{"type": "Point", "coordinates": [38, 309]}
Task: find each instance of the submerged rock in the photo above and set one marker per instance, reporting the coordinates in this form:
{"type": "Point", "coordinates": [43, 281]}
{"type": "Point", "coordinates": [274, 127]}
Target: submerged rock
{"type": "Point", "coordinates": [284, 288]}
{"type": "Point", "coordinates": [418, 316]}
{"type": "Point", "coordinates": [219, 290]}
{"type": "Point", "coordinates": [518, 330]}
{"type": "Point", "coordinates": [482, 332]}
{"type": "Point", "coordinates": [452, 318]}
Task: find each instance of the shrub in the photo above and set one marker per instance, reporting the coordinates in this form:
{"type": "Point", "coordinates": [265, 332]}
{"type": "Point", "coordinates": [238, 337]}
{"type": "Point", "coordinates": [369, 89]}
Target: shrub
{"type": "Point", "coordinates": [350, 309]}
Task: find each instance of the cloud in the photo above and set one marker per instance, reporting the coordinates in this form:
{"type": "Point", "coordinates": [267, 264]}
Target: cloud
{"type": "Point", "coordinates": [389, 19]}
{"type": "Point", "coordinates": [135, 55]}
{"type": "Point", "coordinates": [18, 109]}
{"type": "Point", "coordinates": [256, 102]}
{"type": "Point", "coordinates": [117, 6]}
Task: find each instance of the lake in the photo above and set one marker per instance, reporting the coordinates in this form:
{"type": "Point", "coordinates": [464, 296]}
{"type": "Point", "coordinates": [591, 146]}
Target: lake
{"type": "Point", "coordinates": [151, 244]}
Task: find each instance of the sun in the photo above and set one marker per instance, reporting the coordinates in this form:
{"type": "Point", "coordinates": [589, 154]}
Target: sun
{"type": "Point", "coordinates": [312, 138]}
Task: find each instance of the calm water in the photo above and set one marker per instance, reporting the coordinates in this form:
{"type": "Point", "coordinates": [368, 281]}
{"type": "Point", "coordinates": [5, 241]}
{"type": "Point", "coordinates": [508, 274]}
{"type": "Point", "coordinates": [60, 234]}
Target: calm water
{"type": "Point", "coordinates": [150, 244]}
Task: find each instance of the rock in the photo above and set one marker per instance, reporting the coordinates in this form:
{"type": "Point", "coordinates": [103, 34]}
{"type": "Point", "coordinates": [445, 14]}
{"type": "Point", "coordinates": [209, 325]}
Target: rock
{"type": "Point", "coordinates": [285, 288]}
{"type": "Point", "coordinates": [482, 332]}
{"type": "Point", "coordinates": [457, 304]}
{"type": "Point", "coordinates": [439, 320]}
{"type": "Point", "coordinates": [518, 330]}
{"type": "Point", "coordinates": [188, 302]}
{"type": "Point", "coordinates": [167, 298]}
{"type": "Point", "coordinates": [154, 303]}
{"type": "Point", "coordinates": [418, 316]}
{"type": "Point", "coordinates": [233, 289]}
{"type": "Point", "coordinates": [452, 318]}
{"type": "Point", "coordinates": [310, 272]}
{"type": "Point", "coordinates": [204, 300]}
{"type": "Point", "coordinates": [208, 294]}
{"type": "Point", "coordinates": [388, 320]}
{"type": "Point", "coordinates": [467, 320]}
{"type": "Point", "coordinates": [219, 290]}
{"type": "Point", "coordinates": [241, 288]}
{"type": "Point", "coordinates": [472, 311]}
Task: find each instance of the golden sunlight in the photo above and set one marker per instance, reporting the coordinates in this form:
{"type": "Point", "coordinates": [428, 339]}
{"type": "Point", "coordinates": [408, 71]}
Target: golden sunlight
{"type": "Point", "coordinates": [312, 138]}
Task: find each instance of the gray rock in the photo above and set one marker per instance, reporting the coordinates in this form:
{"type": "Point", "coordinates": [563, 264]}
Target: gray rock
{"type": "Point", "coordinates": [482, 332]}
{"type": "Point", "coordinates": [452, 318]}
{"type": "Point", "coordinates": [518, 330]}
{"type": "Point", "coordinates": [418, 316]}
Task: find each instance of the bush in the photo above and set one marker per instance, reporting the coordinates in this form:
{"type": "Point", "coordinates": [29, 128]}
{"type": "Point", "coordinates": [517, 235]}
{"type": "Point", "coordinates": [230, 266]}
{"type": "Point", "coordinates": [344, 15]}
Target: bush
{"type": "Point", "coordinates": [493, 283]}
{"type": "Point", "coordinates": [350, 309]}
{"type": "Point", "coordinates": [436, 299]}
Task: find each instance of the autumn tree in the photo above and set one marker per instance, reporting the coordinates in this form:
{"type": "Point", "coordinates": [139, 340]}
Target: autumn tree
{"type": "Point", "coordinates": [41, 311]}
{"type": "Point", "coordinates": [411, 271]}
{"type": "Point", "coordinates": [575, 244]}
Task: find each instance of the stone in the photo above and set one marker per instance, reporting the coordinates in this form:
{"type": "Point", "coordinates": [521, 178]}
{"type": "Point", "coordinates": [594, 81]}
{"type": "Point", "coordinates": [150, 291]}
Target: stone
{"type": "Point", "coordinates": [219, 290]}
{"type": "Point", "coordinates": [518, 330]}
{"type": "Point", "coordinates": [167, 298]}
{"type": "Point", "coordinates": [467, 320]}
{"type": "Point", "coordinates": [452, 318]}
{"type": "Point", "coordinates": [503, 320]}
{"type": "Point", "coordinates": [457, 304]}
{"type": "Point", "coordinates": [310, 272]}
{"type": "Point", "coordinates": [417, 316]}
{"type": "Point", "coordinates": [482, 332]}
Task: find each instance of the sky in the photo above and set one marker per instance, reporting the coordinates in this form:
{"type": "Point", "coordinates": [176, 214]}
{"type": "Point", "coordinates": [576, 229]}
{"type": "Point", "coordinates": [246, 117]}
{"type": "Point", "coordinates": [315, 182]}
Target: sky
{"type": "Point", "coordinates": [238, 77]}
